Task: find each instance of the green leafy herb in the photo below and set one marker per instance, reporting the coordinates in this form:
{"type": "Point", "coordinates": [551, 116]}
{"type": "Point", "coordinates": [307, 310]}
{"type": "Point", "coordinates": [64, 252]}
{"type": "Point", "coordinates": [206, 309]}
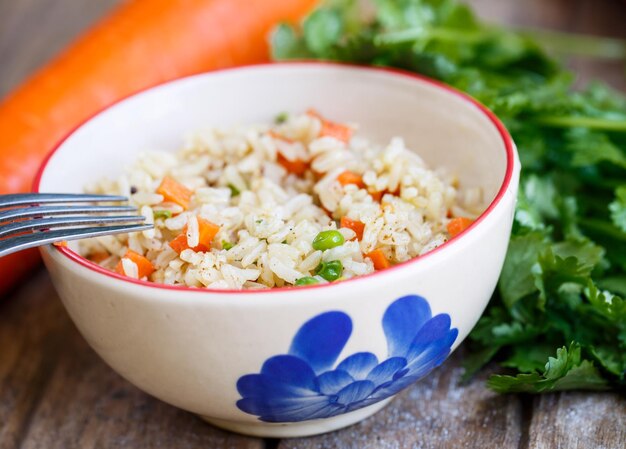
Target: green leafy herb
{"type": "Point", "coordinates": [618, 208]}
{"type": "Point", "coordinates": [565, 372]}
{"type": "Point", "coordinates": [234, 191]}
{"type": "Point", "coordinates": [564, 278]}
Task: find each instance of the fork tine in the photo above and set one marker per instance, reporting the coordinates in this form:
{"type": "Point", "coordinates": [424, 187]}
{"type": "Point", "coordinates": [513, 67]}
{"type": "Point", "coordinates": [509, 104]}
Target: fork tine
{"type": "Point", "coordinates": [48, 211]}
{"type": "Point", "coordinates": [15, 244]}
{"type": "Point", "coordinates": [64, 222]}
{"type": "Point", "coordinates": [25, 199]}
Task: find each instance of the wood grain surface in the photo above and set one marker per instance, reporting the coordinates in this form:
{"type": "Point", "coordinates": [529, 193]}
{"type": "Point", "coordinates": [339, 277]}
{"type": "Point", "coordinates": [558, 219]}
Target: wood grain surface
{"type": "Point", "coordinates": [56, 393]}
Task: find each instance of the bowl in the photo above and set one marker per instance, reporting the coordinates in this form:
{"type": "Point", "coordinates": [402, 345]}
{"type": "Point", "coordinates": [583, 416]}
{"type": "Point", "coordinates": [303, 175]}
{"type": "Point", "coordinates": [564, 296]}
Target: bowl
{"type": "Point", "coordinates": [294, 361]}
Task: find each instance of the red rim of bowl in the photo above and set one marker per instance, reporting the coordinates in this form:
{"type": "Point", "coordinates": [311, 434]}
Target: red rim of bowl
{"type": "Point", "coordinates": [504, 134]}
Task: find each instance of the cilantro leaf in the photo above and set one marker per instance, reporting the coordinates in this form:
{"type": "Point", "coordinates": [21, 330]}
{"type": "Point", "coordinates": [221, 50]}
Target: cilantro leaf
{"type": "Point", "coordinates": [618, 208]}
{"type": "Point", "coordinates": [566, 371]}
{"type": "Point", "coordinates": [564, 276]}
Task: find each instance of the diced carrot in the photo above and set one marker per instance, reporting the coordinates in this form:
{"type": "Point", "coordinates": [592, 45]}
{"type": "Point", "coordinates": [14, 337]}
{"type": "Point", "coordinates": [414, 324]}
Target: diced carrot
{"type": "Point", "coordinates": [175, 192]}
{"type": "Point", "coordinates": [61, 244]}
{"type": "Point", "coordinates": [348, 177]}
{"type": "Point", "coordinates": [357, 226]}
{"type": "Point", "coordinates": [207, 231]}
{"type": "Point", "coordinates": [458, 225]}
{"type": "Point", "coordinates": [144, 266]}
{"type": "Point", "coordinates": [275, 135]}
{"type": "Point", "coordinates": [377, 196]}
{"type": "Point", "coordinates": [297, 167]}
{"type": "Point", "coordinates": [99, 257]}
{"type": "Point", "coordinates": [332, 129]}
{"type": "Point", "coordinates": [379, 259]}
{"type": "Point", "coordinates": [179, 244]}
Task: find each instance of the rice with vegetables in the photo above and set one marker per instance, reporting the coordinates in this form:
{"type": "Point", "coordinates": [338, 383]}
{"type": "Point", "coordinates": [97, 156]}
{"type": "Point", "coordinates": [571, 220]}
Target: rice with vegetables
{"type": "Point", "coordinates": [303, 201]}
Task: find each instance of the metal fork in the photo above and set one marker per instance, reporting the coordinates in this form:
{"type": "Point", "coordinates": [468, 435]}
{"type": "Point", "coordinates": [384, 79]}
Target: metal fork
{"type": "Point", "coordinates": [34, 219]}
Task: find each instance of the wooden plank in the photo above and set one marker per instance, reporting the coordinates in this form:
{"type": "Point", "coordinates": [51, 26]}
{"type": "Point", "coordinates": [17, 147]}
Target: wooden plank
{"type": "Point", "coordinates": [578, 420]}
{"type": "Point", "coordinates": [56, 393]}
{"type": "Point", "coordinates": [434, 413]}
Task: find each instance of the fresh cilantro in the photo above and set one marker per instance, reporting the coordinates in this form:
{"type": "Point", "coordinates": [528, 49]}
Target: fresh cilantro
{"type": "Point", "coordinates": [568, 371]}
{"type": "Point", "coordinates": [234, 191]}
{"type": "Point", "coordinates": [564, 278]}
{"type": "Point", "coordinates": [618, 208]}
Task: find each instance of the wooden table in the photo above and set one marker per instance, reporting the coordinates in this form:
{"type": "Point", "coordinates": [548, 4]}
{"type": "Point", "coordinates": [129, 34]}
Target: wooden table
{"type": "Point", "coordinates": [56, 393]}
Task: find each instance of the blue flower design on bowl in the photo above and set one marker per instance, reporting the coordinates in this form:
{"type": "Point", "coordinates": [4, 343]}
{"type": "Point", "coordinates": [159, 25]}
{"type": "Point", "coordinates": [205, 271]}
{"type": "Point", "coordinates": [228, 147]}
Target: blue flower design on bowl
{"type": "Point", "coordinates": [306, 384]}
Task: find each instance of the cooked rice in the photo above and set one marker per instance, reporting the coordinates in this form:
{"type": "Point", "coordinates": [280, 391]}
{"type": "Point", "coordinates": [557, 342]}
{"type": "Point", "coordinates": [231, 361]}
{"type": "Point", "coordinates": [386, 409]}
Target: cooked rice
{"type": "Point", "coordinates": [268, 217]}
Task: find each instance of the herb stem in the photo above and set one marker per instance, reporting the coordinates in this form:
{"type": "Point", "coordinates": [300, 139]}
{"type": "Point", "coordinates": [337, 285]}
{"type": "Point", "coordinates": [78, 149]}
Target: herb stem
{"type": "Point", "coordinates": [603, 227]}
{"type": "Point", "coordinates": [571, 44]}
{"type": "Point", "coordinates": [571, 121]}
{"type": "Point", "coordinates": [419, 33]}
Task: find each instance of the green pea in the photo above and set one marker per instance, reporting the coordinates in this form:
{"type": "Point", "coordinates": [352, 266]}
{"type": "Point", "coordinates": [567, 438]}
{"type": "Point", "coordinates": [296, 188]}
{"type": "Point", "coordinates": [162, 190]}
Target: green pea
{"type": "Point", "coordinates": [331, 271]}
{"type": "Point", "coordinates": [281, 118]}
{"type": "Point", "coordinates": [227, 245]}
{"type": "Point", "coordinates": [162, 214]}
{"type": "Point", "coordinates": [327, 240]}
{"type": "Point", "coordinates": [307, 280]}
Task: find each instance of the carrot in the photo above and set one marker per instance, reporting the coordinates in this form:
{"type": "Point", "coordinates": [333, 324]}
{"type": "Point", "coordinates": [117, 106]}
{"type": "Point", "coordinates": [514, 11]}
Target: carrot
{"type": "Point", "coordinates": [61, 244]}
{"type": "Point", "coordinates": [379, 259]}
{"type": "Point", "coordinates": [348, 177]}
{"type": "Point", "coordinates": [207, 231]}
{"type": "Point", "coordinates": [175, 192]}
{"type": "Point", "coordinates": [142, 43]}
{"type": "Point", "coordinates": [297, 167]}
{"type": "Point", "coordinates": [458, 225]}
{"type": "Point", "coordinates": [377, 196]}
{"type": "Point", "coordinates": [275, 135]}
{"type": "Point", "coordinates": [332, 129]}
{"type": "Point", "coordinates": [357, 226]}
{"type": "Point", "coordinates": [99, 257]}
{"type": "Point", "coordinates": [144, 266]}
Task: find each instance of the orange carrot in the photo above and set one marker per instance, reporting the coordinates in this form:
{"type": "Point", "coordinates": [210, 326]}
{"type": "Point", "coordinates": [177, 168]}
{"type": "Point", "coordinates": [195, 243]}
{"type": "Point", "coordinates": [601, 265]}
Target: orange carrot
{"type": "Point", "coordinates": [144, 266]}
{"type": "Point", "coordinates": [377, 196]}
{"type": "Point", "coordinates": [175, 192]}
{"type": "Point", "coordinates": [275, 135]}
{"type": "Point", "coordinates": [332, 129]}
{"type": "Point", "coordinates": [357, 226]}
{"type": "Point", "coordinates": [207, 231]}
{"type": "Point", "coordinates": [99, 257]}
{"type": "Point", "coordinates": [458, 225]}
{"type": "Point", "coordinates": [61, 244]}
{"type": "Point", "coordinates": [297, 167]}
{"type": "Point", "coordinates": [379, 259]}
{"type": "Point", "coordinates": [141, 44]}
{"type": "Point", "coordinates": [348, 177]}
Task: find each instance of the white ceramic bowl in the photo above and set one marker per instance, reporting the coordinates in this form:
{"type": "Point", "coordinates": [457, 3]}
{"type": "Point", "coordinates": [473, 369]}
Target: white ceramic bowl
{"type": "Point", "coordinates": [290, 362]}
